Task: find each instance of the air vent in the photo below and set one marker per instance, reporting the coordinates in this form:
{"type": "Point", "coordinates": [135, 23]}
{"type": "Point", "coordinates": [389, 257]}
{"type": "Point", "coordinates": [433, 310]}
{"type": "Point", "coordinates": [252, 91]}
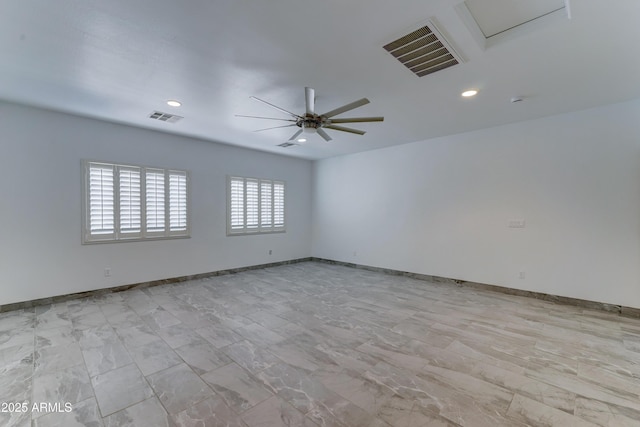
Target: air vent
{"type": "Point", "coordinates": [423, 51]}
{"type": "Point", "coordinates": [287, 144]}
{"type": "Point", "coordinates": [165, 117]}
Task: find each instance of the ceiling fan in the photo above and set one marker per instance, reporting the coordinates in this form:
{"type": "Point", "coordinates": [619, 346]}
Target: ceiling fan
{"type": "Point", "coordinates": [310, 122]}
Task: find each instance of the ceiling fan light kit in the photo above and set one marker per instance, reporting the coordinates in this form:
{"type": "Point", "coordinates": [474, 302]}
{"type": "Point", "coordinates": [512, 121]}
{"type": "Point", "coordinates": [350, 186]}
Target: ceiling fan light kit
{"type": "Point", "coordinates": [310, 122]}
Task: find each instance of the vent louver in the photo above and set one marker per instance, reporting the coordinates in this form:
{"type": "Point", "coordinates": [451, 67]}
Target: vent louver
{"type": "Point", "coordinates": [423, 51]}
{"type": "Point", "coordinates": [286, 144]}
{"type": "Point", "coordinates": [164, 117]}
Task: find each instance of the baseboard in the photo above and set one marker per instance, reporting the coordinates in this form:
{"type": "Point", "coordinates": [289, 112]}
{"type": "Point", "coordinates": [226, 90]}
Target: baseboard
{"type": "Point", "coordinates": [103, 291]}
{"type": "Point", "coordinates": [593, 305]}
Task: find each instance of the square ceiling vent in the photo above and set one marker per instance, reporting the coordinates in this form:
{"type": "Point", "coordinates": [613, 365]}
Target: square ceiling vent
{"type": "Point", "coordinates": [493, 20]}
{"type": "Point", "coordinates": [287, 144]}
{"type": "Point", "coordinates": [424, 51]}
{"type": "Point", "coordinates": [164, 117]}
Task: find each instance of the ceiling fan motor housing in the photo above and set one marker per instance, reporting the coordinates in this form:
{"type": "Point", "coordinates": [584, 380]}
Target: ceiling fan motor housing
{"type": "Point", "coordinates": [310, 123]}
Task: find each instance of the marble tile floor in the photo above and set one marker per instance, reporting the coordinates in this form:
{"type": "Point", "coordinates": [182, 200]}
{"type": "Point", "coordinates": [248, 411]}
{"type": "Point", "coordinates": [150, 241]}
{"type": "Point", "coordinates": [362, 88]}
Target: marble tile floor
{"type": "Point", "coordinates": [313, 345]}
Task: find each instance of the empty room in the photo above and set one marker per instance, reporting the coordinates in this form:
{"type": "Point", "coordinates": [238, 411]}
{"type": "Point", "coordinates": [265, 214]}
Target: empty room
{"type": "Point", "coordinates": [319, 214]}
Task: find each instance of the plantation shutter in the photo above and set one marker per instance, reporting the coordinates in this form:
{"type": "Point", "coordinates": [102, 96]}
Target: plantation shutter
{"type": "Point", "coordinates": [278, 205]}
{"type": "Point", "coordinates": [155, 203]}
{"type": "Point", "coordinates": [100, 195]}
{"type": "Point", "coordinates": [177, 201]}
{"type": "Point", "coordinates": [130, 210]}
{"type": "Point", "coordinates": [236, 204]}
{"type": "Point", "coordinates": [128, 202]}
{"type": "Point", "coordinates": [266, 205]}
{"type": "Point", "coordinates": [252, 204]}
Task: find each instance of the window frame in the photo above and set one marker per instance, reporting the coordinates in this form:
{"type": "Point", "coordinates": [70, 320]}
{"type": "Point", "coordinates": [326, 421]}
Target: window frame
{"type": "Point", "coordinates": [117, 235]}
{"type": "Point", "coordinates": [259, 228]}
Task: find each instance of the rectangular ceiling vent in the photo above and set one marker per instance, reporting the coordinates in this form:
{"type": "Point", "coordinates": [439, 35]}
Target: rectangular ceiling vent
{"type": "Point", "coordinates": [287, 144]}
{"type": "Point", "coordinates": [164, 117]}
{"type": "Point", "coordinates": [424, 51]}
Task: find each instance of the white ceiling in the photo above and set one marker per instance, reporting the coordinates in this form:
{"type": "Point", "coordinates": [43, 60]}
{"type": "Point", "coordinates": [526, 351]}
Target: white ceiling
{"type": "Point", "coordinates": [119, 60]}
{"type": "Point", "coordinates": [511, 13]}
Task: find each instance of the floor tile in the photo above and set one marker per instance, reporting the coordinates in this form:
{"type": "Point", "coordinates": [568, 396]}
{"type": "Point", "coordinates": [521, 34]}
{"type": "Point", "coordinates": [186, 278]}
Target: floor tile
{"type": "Point", "coordinates": [275, 412]}
{"type": "Point", "coordinates": [179, 335]}
{"type": "Point", "coordinates": [148, 413]}
{"type": "Point", "coordinates": [52, 316]}
{"type": "Point", "coordinates": [179, 388]}
{"type": "Point", "coordinates": [259, 335]}
{"type": "Point", "coordinates": [266, 319]}
{"type": "Point", "coordinates": [154, 356]}
{"type": "Point", "coordinates": [50, 359]}
{"type": "Point", "coordinates": [239, 389]}
{"type": "Point", "coordinates": [120, 388]}
{"type": "Point", "coordinates": [15, 419]}
{"type": "Point", "coordinates": [250, 357]}
{"type": "Point", "coordinates": [136, 336]}
{"type": "Point", "coordinates": [125, 319]}
{"type": "Point", "coordinates": [604, 414]}
{"type": "Point", "coordinates": [87, 320]}
{"type": "Point", "coordinates": [69, 385]}
{"type": "Point", "coordinates": [212, 412]}
{"type": "Point", "coordinates": [16, 357]}
{"type": "Point", "coordinates": [102, 359]}
{"type": "Point", "coordinates": [218, 335]}
{"type": "Point", "coordinates": [536, 413]}
{"type": "Point", "coordinates": [202, 357]}
{"type": "Point", "coordinates": [61, 336]}
{"type": "Point", "coordinates": [159, 318]}
{"type": "Point", "coordinates": [82, 414]}
{"type": "Point", "coordinates": [19, 336]}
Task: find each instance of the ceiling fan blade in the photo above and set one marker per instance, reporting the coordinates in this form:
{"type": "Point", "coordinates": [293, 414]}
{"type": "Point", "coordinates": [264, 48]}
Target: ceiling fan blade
{"type": "Point", "coordinates": [275, 127]}
{"type": "Point", "coordinates": [358, 120]}
{"type": "Point", "coordinates": [276, 107]}
{"type": "Point", "coordinates": [266, 118]}
{"type": "Point", "coordinates": [295, 135]}
{"type": "Point", "coordinates": [310, 100]}
{"type": "Point", "coordinates": [324, 135]}
{"type": "Point", "coordinates": [344, 129]}
{"type": "Point", "coordinates": [345, 108]}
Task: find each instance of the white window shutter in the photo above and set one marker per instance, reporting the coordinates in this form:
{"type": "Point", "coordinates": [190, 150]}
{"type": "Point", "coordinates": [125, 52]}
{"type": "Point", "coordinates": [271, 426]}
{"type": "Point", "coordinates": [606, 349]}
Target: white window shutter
{"type": "Point", "coordinates": [266, 205]}
{"type": "Point", "coordinates": [278, 205]}
{"type": "Point", "coordinates": [255, 206]}
{"type": "Point", "coordinates": [252, 204]}
{"type": "Point", "coordinates": [130, 208]}
{"type": "Point", "coordinates": [155, 201]}
{"type": "Point", "coordinates": [236, 205]}
{"type": "Point", "coordinates": [100, 202]}
{"type": "Point", "coordinates": [177, 202]}
{"type": "Point", "coordinates": [128, 202]}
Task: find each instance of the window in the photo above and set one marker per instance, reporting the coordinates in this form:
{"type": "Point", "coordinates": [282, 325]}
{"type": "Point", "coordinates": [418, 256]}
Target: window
{"type": "Point", "coordinates": [255, 206]}
{"type": "Point", "coordinates": [126, 202]}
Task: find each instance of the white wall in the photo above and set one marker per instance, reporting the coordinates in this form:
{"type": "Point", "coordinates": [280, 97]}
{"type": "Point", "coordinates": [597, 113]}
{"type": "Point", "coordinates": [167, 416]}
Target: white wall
{"type": "Point", "coordinates": [40, 195]}
{"type": "Point", "coordinates": [442, 206]}
{"type": "Point", "coordinates": [435, 207]}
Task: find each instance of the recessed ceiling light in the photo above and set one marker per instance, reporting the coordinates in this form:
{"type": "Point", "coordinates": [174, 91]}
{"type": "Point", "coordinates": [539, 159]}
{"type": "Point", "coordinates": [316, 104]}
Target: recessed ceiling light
{"type": "Point", "coordinates": [302, 139]}
{"type": "Point", "coordinates": [470, 92]}
{"type": "Point", "coordinates": [174, 103]}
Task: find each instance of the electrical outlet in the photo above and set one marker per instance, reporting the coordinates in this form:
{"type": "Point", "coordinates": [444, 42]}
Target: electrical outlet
{"type": "Point", "coordinates": [107, 272]}
{"type": "Point", "coordinates": [516, 223]}
{"type": "Point", "coordinates": [270, 251]}
{"type": "Point", "coordinates": [522, 275]}
{"type": "Point", "coordinates": [355, 253]}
